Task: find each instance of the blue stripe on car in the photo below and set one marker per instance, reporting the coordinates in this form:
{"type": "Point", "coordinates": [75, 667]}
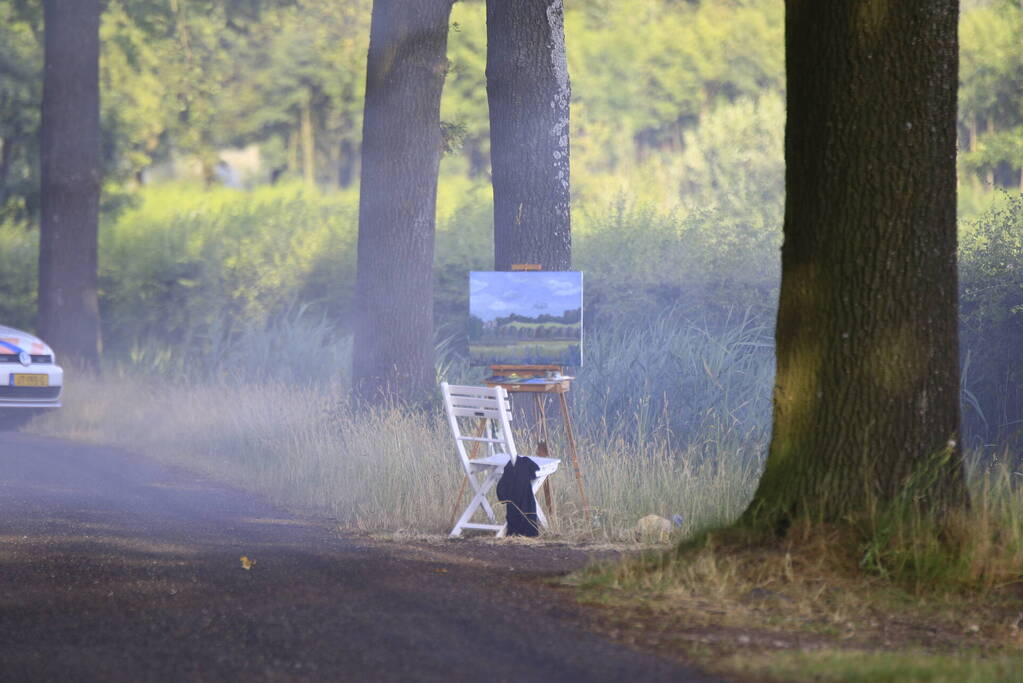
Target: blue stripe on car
{"type": "Point", "coordinates": [16, 349]}
{"type": "Point", "coordinates": [12, 347]}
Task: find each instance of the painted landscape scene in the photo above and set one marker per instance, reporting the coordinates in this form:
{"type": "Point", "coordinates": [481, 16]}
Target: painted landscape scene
{"type": "Point", "coordinates": [526, 318]}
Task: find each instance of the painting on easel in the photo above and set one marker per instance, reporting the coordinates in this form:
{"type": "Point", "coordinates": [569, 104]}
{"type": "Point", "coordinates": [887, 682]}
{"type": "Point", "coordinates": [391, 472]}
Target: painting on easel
{"type": "Point", "coordinates": [526, 318]}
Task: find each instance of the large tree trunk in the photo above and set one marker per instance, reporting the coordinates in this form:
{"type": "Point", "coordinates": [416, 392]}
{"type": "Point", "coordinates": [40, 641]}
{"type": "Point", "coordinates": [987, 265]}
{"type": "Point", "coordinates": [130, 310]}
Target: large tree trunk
{"type": "Point", "coordinates": [70, 170]}
{"type": "Point", "coordinates": [528, 92]}
{"type": "Point", "coordinates": [866, 401]}
{"type": "Point", "coordinates": [401, 148]}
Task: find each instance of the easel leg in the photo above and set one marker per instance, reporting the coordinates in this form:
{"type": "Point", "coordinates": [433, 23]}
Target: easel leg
{"type": "Point", "coordinates": [570, 436]}
{"type": "Point", "coordinates": [458, 500]}
{"type": "Point", "coordinates": [541, 414]}
{"type": "Point", "coordinates": [541, 449]}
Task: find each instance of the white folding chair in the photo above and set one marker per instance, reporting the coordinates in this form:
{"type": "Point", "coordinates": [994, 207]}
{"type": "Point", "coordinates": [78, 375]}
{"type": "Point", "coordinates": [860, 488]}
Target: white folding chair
{"type": "Point", "coordinates": [492, 407]}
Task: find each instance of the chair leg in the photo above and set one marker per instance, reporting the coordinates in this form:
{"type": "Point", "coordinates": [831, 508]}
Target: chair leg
{"type": "Point", "coordinates": [466, 515]}
{"type": "Point", "coordinates": [484, 487]}
{"type": "Point", "coordinates": [488, 509]}
{"type": "Point", "coordinates": [478, 501]}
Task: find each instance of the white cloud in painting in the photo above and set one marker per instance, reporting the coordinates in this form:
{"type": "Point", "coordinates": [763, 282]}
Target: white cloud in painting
{"type": "Point", "coordinates": [484, 303]}
{"type": "Point", "coordinates": [498, 305]}
{"type": "Point", "coordinates": [477, 285]}
{"type": "Point", "coordinates": [562, 287]}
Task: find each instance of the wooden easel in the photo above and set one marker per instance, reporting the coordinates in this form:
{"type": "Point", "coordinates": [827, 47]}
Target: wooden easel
{"type": "Point", "coordinates": [541, 381]}
{"type": "Point", "coordinates": [554, 382]}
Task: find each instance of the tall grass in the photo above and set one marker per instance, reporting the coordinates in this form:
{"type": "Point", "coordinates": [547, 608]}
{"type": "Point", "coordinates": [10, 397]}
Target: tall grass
{"type": "Point", "coordinates": [980, 546]}
{"type": "Point", "coordinates": [388, 470]}
{"type": "Point", "coordinates": [301, 348]}
{"type": "Point", "coordinates": [688, 448]}
{"type": "Point", "coordinates": [690, 385]}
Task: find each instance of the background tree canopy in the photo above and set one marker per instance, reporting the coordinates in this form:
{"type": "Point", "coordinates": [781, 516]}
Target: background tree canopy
{"type": "Point", "coordinates": [183, 80]}
{"type": "Point", "coordinates": [677, 170]}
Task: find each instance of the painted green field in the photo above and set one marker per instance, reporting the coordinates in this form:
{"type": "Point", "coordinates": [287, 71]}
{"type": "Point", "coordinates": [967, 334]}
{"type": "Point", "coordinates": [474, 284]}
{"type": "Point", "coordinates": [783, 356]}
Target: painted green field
{"type": "Point", "coordinates": [533, 352]}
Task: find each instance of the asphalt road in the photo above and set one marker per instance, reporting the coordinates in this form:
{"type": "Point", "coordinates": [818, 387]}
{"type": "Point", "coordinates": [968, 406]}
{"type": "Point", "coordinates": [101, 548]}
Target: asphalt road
{"type": "Point", "coordinates": [115, 568]}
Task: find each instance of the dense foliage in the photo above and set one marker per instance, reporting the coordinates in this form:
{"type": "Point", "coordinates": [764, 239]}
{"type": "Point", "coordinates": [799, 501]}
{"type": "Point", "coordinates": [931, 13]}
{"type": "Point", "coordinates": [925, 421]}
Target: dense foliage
{"type": "Point", "coordinates": [678, 177]}
{"type": "Point", "coordinates": [186, 82]}
{"type": "Point", "coordinates": [991, 320]}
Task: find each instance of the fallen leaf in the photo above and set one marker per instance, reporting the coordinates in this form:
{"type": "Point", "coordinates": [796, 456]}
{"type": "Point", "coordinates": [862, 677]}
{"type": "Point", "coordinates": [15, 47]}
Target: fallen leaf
{"type": "Point", "coordinates": [247, 563]}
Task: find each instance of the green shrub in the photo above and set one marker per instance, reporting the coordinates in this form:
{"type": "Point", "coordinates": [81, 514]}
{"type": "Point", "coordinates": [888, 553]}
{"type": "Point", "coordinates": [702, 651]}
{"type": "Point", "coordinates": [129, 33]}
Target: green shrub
{"type": "Point", "coordinates": [641, 262]}
{"type": "Point", "coordinates": [19, 254]}
{"type": "Point", "coordinates": [991, 317]}
{"type": "Point", "coordinates": [190, 270]}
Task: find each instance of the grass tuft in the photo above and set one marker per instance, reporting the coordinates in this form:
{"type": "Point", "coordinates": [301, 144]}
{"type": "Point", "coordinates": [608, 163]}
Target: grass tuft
{"type": "Point", "coordinates": [857, 666]}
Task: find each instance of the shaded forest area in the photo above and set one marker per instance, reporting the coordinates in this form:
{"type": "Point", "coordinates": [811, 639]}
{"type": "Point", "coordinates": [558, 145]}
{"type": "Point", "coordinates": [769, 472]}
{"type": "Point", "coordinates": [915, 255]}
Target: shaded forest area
{"type": "Point", "coordinates": [231, 136]}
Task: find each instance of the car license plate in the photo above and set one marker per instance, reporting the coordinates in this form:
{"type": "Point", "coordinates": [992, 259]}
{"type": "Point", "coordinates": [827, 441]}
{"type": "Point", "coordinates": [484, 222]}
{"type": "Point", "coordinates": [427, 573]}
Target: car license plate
{"type": "Point", "coordinates": [31, 380]}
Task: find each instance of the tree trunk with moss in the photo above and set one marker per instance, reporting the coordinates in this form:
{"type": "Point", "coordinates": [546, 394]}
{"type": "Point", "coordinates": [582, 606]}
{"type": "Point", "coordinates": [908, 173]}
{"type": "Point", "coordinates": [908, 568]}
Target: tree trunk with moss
{"type": "Point", "coordinates": [866, 398]}
{"type": "Point", "coordinates": [528, 93]}
{"type": "Point", "coordinates": [401, 148]}
{"type": "Point", "coordinates": [70, 170]}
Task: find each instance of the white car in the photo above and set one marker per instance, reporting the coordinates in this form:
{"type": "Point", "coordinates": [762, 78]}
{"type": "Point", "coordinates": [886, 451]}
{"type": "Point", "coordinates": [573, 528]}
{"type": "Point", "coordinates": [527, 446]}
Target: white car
{"type": "Point", "coordinates": [29, 376]}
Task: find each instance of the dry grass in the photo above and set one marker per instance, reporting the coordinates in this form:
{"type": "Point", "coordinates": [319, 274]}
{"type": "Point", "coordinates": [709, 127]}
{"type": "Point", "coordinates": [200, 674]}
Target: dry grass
{"type": "Point", "coordinates": [851, 666]}
{"type": "Point", "coordinates": [389, 470]}
{"type": "Point", "coordinates": [808, 609]}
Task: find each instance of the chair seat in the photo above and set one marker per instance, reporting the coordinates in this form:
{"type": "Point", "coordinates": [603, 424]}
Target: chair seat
{"type": "Point", "coordinates": [546, 465]}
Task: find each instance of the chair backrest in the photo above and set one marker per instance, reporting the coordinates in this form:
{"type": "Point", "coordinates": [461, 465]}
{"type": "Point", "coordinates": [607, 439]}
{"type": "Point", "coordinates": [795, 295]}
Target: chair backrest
{"type": "Point", "coordinates": [491, 408]}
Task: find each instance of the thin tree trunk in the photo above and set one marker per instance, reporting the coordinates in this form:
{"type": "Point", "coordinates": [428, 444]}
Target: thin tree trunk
{"type": "Point", "coordinates": [293, 137]}
{"type": "Point", "coordinates": [528, 93]}
{"type": "Point", "coordinates": [991, 170]}
{"type": "Point", "coordinates": [401, 148]}
{"type": "Point", "coordinates": [308, 142]}
{"type": "Point", "coordinates": [866, 401]}
{"type": "Point", "coordinates": [6, 155]}
{"type": "Point", "coordinates": [346, 164]}
{"type": "Point", "coordinates": [70, 170]}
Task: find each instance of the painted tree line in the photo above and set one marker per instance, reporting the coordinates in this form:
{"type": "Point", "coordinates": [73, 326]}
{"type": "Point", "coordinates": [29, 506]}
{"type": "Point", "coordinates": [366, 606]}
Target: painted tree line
{"type": "Point", "coordinates": [866, 393]}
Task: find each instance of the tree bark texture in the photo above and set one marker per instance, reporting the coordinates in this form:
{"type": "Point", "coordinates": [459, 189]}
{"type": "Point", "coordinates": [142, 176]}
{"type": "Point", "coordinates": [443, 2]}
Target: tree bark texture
{"type": "Point", "coordinates": [401, 151]}
{"type": "Point", "coordinates": [866, 399]}
{"type": "Point", "coordinates": [528, 92]}
{"type": "Point", "coordinates": [70, 169]}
